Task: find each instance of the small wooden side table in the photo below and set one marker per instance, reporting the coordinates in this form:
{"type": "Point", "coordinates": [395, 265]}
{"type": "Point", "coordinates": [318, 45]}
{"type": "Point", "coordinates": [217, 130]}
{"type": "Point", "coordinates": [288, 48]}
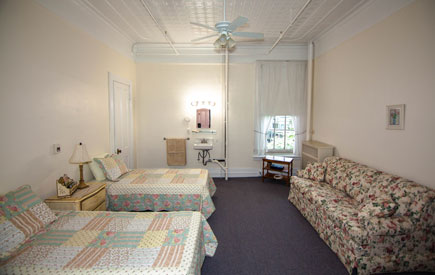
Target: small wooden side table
{"type": "Point", "coordinates": [92, 198]}
{"type": "Point", "coordinates": [286, 173]}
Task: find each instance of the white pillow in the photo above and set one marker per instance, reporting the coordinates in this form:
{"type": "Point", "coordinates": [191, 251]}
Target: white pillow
{"type": "Point", "coordinates": [95, 168]}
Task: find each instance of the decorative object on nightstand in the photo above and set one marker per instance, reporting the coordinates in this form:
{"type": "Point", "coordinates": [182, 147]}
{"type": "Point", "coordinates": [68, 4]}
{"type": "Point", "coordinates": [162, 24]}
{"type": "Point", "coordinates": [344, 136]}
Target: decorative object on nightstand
{"type": "Point", "coordinates": [65, 186]}
{"type": "Point", "coordinates": [315, 151]}
{"type": "Point", "coordinates": [80, 156]}
{"type": "Point", "coordinates": [92, 198]}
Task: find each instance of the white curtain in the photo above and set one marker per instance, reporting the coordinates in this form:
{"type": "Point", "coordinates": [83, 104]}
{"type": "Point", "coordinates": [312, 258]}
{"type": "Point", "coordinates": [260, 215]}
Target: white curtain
{"type": "Point", "coordinates": [280, 90]}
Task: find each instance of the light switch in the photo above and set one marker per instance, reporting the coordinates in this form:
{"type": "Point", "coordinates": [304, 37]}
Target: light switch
{"type": "Point", "coordinates": [56, 148]}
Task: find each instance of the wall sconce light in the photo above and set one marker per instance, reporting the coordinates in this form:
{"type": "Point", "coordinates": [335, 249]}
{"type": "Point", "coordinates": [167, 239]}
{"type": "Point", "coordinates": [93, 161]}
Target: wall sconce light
{"type": "Point", "coordinates": [203, 103]}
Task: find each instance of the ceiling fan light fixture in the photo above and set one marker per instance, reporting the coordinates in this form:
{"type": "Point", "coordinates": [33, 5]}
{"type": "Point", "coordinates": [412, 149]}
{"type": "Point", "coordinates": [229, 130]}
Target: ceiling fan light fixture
{"type": "Point", "coordinates": [217, 44]}
{"type": "Point", "coordinates": [223, 39]}
{"type": "Point", "coordinates": [221, 42]}
{"type": "Point", "coordinates": [231, 43]}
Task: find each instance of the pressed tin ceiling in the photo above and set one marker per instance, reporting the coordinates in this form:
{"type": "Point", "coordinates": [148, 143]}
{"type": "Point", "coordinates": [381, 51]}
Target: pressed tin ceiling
{"type": "Point", "coordinates": [131, 19]}
{"type": "Point", "coordinates": [130, 25]}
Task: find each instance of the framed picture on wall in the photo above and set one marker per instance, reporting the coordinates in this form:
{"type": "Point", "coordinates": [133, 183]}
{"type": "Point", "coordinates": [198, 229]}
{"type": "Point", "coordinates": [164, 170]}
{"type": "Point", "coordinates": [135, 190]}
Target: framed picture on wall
{"type": "Point", "coordinates": [396, 117]}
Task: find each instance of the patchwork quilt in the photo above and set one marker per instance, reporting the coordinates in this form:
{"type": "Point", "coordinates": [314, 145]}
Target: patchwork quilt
{"type": "Point", "coordinates": [162, 189]}
{"type": "Point", "coordinates": [116, 242]}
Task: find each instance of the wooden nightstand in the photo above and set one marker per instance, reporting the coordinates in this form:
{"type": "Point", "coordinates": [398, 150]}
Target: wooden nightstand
{"type": "Point", "coordinates": [92, 198]}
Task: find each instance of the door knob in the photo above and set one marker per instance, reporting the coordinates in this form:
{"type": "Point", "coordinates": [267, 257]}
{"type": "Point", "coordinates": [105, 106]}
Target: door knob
{"type": "Point", "coordinates": [118, 151]}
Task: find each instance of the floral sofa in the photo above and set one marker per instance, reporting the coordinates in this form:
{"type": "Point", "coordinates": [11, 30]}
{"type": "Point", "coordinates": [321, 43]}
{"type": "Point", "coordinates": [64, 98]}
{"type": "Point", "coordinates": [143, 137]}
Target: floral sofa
{"type": "Point", "coordinates": [373, 221]}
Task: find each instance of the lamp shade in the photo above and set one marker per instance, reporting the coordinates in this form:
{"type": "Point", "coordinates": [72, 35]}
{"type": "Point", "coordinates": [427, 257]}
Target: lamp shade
{"type": "Point", "coordinates": [80, 155]}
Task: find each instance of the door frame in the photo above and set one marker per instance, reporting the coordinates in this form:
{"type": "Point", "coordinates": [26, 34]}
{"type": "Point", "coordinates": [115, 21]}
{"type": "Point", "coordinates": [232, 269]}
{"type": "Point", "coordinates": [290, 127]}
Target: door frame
{"type": "Point", "coordinates": [114, 78]}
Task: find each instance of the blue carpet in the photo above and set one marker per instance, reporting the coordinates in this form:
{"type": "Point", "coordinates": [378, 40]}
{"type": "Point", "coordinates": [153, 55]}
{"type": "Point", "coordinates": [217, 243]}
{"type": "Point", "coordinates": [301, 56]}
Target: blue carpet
{"type": "Point", "coordinates": [260, 232]}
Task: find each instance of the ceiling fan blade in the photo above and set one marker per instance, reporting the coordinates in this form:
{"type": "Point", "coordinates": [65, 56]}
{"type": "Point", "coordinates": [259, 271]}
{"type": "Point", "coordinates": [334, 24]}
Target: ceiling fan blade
{"type": "Point", "coordinates": [204, 26]}
{"type": "Point", "coordinates": [204, 37]}
{"type": "Point", "coordinates": [239, 21]}
{"type": "Point", "coordinates": [249, 34]}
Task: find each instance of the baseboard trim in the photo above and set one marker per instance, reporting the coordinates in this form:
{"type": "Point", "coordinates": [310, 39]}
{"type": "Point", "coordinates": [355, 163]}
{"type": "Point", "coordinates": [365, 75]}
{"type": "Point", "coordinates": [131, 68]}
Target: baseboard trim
{"type": "Point", "coordinates": [237, 172]}
{"type": "Point", "coordinates": [234, 172]}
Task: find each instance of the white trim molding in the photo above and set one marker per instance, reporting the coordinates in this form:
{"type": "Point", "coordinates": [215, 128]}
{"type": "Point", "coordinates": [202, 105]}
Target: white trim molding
{"type": "Point", "coordinates": [200, 53]}
{"type": "Point", "coordinates": [238, 172]}
{"type": "Point", "coordinates": [234, 172]}
{"type": "Point", "coordinates": [114, 78]}
{"type": "Point", "coordinates": [356, 21]}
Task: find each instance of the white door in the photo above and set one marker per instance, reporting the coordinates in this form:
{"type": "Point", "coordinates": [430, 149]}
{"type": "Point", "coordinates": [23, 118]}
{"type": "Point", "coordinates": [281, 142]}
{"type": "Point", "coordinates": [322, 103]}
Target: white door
{"type": "Point", "coordinates": [121, 118]}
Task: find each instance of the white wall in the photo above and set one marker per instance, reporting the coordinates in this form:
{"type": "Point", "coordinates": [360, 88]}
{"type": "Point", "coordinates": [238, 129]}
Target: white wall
{"type": "Point", "coordinates": [164, 93]}
{"type": "Point", "coordinates": [393, 62]}
{"type": "Point", "coordinates": [54, 89]}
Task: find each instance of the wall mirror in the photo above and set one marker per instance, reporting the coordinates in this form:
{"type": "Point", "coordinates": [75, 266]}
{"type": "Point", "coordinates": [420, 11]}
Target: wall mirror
{"type": "Point", "coordinates": [203, 118]}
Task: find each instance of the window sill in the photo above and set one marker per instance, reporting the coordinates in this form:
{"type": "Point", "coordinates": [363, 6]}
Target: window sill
{"type": "Point", "coordinates": [258, 157]}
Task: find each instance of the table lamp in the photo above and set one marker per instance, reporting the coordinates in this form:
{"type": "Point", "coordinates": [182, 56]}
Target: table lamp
{"type": "Point", "coordinates": [80, 156]}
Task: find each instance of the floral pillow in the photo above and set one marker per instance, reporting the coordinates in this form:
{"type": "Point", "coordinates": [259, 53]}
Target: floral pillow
{"type": "Point", "coordinates": [380, 207]}
{"type": "Point", "coordinates": [95, 168]}
{"type": "Point", "coordinates": [112, 166]}
{"type": "Point", "coordinates": [314, 171]}
{"type": "Point", "coordinates": [22, 214]}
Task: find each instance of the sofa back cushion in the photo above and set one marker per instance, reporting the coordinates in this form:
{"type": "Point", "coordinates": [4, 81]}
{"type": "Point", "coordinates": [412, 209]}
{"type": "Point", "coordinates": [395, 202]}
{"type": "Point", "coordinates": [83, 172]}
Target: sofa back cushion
{"type": "Point", "coordinates": [357, 181]}
{"type": "Point", "coordinates": [380, 207]}
{"type": "Point", "coordinates": [314, 171]}
{"type": "Point", "coordinates": [367, 186]}
{"type": "Point", "coordinates": [412, 199]}
{"type": "Point", "coordinates": [336, 170]}
{"type": "Point", "coordinates": [22, 214]}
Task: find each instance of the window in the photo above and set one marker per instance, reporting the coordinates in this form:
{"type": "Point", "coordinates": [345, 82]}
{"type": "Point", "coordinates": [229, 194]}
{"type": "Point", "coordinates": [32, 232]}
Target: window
{"type": "Point", "coordinates": [280, 135]}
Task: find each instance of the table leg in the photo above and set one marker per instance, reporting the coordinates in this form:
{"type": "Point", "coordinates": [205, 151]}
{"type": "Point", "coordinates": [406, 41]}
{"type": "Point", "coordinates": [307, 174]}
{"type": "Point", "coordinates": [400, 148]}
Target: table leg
{"type": "Point", "coordinates": [262, 174]}
{"type": "Point", "coordinates": [288, 174]}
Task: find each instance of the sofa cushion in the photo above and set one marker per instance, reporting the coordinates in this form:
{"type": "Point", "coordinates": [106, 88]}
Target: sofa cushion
{"type": "Point", "coordinates": [314, 171]}
{"type": "Point", "coordinates": [357, 181]}
{"type": "Point", "coordinates": [410, 197]}
{"type": "Point", "coordinates": [380, 207]}
{"type": "Point", "coordinates": [388, 227]}
{"type": "Point", "coordinates": [336, 207]}
{"type": "Point", "coordinates": [336, 170]}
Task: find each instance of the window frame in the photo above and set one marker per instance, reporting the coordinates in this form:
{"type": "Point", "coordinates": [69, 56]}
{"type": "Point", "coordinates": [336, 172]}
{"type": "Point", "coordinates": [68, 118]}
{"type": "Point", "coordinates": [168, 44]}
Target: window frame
{"type": "Point", "coordinates": [281, 151]}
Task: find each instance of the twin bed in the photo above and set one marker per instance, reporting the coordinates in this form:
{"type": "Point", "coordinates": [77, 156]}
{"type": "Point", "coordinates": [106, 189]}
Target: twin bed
{"type": "Point", "coordinates": [162, 190]}
{"type": "Point", "coordinates": [116, 243]}
{"type": "Point", "coordinates": [82, 242]}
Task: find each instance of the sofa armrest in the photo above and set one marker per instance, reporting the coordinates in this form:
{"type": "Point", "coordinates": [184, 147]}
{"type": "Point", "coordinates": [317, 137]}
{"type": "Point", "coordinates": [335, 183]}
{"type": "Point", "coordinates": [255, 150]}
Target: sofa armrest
{"type": "Point", "coordinates": [396, 225]}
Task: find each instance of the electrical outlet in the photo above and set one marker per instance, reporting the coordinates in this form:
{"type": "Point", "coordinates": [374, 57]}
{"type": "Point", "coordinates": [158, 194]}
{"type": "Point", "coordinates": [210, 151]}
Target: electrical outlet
{"type": "Point", "coordinates": [56, 148]}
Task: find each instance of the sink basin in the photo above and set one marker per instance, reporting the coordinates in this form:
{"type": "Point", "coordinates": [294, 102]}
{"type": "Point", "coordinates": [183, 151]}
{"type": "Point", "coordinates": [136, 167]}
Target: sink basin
{"type": "Point", "coordinates": [203, 146]}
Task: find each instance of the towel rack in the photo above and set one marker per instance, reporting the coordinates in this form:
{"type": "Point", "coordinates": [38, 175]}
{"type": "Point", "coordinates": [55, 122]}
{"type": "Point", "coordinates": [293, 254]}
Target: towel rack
{"type": "Point", "coordinates": [185, 138]}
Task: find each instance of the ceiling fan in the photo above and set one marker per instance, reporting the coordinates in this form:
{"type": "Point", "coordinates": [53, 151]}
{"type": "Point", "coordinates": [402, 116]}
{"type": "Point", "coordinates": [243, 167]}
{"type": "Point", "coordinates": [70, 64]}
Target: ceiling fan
{"type": "Point", "coordinates": [225, 29]}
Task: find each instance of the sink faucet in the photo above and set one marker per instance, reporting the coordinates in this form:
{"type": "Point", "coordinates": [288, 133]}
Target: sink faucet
{"type": "Point", "coordinates": [203, 140]}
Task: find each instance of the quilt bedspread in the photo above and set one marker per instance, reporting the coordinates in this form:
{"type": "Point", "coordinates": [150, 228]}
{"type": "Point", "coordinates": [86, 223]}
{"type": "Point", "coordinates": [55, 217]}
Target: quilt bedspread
{"type": "Point", "coordinates": [116, 243]}
{"type": "Point", "coordinates": [162, 189]}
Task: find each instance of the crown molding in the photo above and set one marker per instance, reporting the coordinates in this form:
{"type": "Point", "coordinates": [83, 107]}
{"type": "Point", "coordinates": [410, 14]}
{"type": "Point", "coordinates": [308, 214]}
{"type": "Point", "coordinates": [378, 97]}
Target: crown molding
{"type": "Point", "coordinates": [355, 21]}
{"type": "Point", "coordinates": [194, 53]}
